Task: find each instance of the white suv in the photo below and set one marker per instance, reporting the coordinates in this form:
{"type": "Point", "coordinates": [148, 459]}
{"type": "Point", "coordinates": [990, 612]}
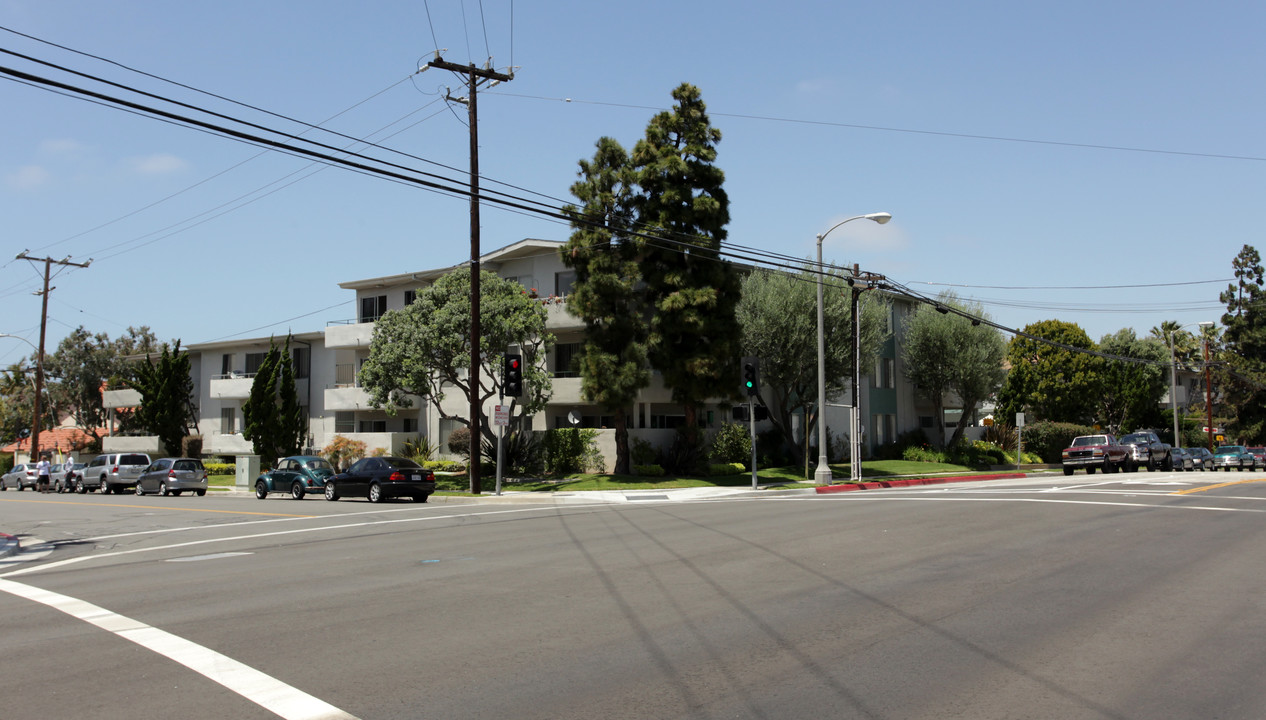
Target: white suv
{"type": "Point", "coordinates": [114, 472]}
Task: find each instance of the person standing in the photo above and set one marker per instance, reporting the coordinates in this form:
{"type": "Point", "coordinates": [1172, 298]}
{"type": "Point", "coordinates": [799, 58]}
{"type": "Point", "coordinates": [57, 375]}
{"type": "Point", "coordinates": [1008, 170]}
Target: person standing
{"type": "Point", "coordinates": [41, 471]}
{"type": "Point", "coordinates": [68, 474]}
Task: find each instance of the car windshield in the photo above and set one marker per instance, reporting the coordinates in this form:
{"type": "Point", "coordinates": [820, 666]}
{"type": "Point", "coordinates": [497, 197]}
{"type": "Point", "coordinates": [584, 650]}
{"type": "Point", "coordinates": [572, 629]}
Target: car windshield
{"type": "Point", "coordinates": [399, 462]}
{"type": "Point", "coordinates": [1090, 440]}
{"type": "Point", "coordinates": [1135, 438]}
{"type": "Point", "coordinates": [1229, 450]}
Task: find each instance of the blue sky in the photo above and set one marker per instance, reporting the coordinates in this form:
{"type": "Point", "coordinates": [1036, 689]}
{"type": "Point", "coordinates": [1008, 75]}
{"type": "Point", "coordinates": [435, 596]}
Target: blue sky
{"type": "Point", "coordinates": [1017, 145]}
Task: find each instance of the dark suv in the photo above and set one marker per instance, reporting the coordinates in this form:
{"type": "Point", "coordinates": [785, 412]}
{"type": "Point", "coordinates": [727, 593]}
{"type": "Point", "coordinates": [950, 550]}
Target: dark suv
{"type": "Point", "coordinates": [114, 472]}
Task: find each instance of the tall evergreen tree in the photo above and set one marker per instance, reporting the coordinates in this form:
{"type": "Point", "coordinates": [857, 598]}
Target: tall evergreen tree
{"type": "Point", "coordinates": [1052, 382]}
{"type": "Point", "coordinates": [606, 293]}
{"type": "Point", "coordinates": [695, 338]}
{"type": "Point", "coordinates": [272, 419]}
{"type": "Point", "coordinates": [1243, 374]}
{"type": "Point", "coordinates": [167, 396]}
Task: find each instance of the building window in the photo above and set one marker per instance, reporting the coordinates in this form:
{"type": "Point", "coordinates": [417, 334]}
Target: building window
{"type": "Point", "coordinates": [373, 426]}
{"type": "Point", "coordinates": [885, 373]}
{"type": "Point", "coordinates": [253, 361]}
{"type": "Point", "coordinates": [883, 429]}
{"type": "Point", "coordinates": [344, 422]}
{"type": "Point", "coordinates": [372, 308]}
{"type": "Point", "coordinates": [302, 360]}
{"type": "Point", "coordinates": [409, 297]}
{"type": "Point", "coordinates": [410, 425]}
{"type": "Point", "coordinates": [563, 282]}
{"type": "Point", "coordinates": [564, 355]}
{"type": "Point", "coordinates": [226, 363]}
{"type": "Point", "coordinates": [228, 421]}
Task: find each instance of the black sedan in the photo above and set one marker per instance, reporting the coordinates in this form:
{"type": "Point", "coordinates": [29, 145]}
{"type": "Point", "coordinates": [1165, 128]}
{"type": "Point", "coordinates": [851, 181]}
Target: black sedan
{"type": "Point", "coordinates": [379, 478]}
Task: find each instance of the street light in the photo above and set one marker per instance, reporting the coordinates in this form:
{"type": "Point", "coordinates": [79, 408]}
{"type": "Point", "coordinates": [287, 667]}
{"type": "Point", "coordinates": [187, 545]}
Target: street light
{"type": "Point", "coordinates": [822, 475]}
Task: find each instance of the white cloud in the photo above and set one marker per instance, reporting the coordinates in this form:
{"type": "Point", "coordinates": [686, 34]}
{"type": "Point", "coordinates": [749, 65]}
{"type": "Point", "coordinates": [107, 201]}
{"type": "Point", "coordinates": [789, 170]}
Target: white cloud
{"type": "Point", "coordinates": [63, 146]}
{"type": "Point", "coordinates": [864, 237]}
{"type": "Point", "coordinates": [160, 164]}
{"type": "Point", "coordinates": [28, 177]}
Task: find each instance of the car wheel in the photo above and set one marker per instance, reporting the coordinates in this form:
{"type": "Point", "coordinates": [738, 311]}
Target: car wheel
{"type": "Point", "coordinates": [81, 488]}
{"type": "Point", "coordinates": [331, 493]}
{"type": "Point", "coordinates": [105, 487]}
{"type": "Point", "coordinates": [19, 486]}
{"type": "Point", "coordinates": [1068, 471]}
{"type": "Point", "coordinates": [3, 487]}
{"type": "Point", "coordinates": [201, 493]}
{"type": "Point", "coordinates": [375, 493]}
{"type": "Point", "coordinates": [138, 489]}
{"type": "Point", "coordinates": [261, 490]}
{"type": "Point", "coordinates": [1090, 469]}
{"type": "Point", "coordinates": [162, 489]}
{"type": "Point", "coordinates": [296, 490]}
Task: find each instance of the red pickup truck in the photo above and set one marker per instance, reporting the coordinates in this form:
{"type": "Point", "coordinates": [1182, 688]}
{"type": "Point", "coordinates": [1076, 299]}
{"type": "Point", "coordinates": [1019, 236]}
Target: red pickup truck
{"type": "Point", "coordinates": [1096, 451]}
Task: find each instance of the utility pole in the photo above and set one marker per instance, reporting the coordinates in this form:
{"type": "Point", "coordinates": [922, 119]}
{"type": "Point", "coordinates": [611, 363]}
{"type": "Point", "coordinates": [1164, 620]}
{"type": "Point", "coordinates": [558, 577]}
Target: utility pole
{"type": "Point", "coordinates": [474, 78]}
{"type": "Point", "coordinates": [39, 357]}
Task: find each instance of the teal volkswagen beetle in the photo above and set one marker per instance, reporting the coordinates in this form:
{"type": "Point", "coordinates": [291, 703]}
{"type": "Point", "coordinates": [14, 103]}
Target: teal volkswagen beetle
{"type": "Point", "coordinates": [297, 475]}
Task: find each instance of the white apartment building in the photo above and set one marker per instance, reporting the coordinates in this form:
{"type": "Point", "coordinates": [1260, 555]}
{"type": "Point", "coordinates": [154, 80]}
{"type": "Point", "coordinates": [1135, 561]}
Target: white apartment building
{"type": "Point", "coordinates": [328, 361]}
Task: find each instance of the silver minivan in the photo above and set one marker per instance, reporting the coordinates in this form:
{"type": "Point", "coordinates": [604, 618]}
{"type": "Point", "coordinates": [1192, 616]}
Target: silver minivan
{"type": "Point", "coordinates": [114, 472]}
{"type": "Point", "coordinates": [173, 476]}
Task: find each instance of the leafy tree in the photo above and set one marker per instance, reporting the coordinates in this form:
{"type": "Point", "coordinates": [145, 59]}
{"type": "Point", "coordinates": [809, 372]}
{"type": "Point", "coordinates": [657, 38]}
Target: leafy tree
{"type": "Point", "coordinates": [1054, 383]}
{"type": "Point", "coordinates": [606, 293]}
{"type": "Point", "coordinates": [946, 353]}
{"type": "Point", "coordinates": [778, 315]}
{"type": "Point", "coordinates": [694, 338]}
{"type": "Point", "coordinates": [425, 348]}
{"type": "Point", "coordinates": [1131, 392]}
{"type": "Point", "coordinates": [167, 396]}
{"type": "Point", "coordinates": [1243, 372]}
{"type": "Point", "coordinates": [273, 420]}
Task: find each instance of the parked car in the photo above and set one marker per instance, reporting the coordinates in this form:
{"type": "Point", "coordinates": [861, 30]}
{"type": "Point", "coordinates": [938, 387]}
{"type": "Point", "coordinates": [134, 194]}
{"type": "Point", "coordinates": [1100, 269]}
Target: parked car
{"type": "Point", "coordinates": [297, 474]}
{"type": "Point", "coordinates": [1182, 459]}
{"type": "Point", "coordinates": [173, 476]}
{"type": "Point", "coordinates": [379, 478]}
{"type": "Point", "coordinates": [1201, 457]}
{"type": "Point", "coordinates": [22, 476]}
{"type": "Point", "coordinates": [1232, 456]}
{"type": "Point", "coordinates": [114, 472]}
{"type": "Point", "coordinates": [1097, 451]}
{"type": "Point", "coordinates": [1259, 456]}
{"type": "Point", "coordinates": [1148, 451]}
{"type": "Point", "coordinates": [64, 480]}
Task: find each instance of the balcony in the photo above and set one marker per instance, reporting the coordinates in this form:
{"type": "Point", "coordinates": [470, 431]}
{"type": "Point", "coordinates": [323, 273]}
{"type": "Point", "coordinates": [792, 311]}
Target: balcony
{"type": "Point", "coordinates": [348, 334]}
{"type": "Point", "coordinates": [234, 386]}
{"type": "Point", "coordinates": [125, 398]}
{"type": "Point", "coordinates": [557, 317]}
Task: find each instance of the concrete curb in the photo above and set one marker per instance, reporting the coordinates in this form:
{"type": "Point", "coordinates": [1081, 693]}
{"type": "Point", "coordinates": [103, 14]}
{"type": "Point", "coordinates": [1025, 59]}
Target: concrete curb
{"type": "Point", "coordinates": [915, 482]}
{"type": "Point", "coordinates": [8, 545]}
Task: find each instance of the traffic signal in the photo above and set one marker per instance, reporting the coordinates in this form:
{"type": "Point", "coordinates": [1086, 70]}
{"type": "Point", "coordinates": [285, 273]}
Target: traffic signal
{"type": "Point", "coordinates": [512, 375]}
{"type": "Point", "coordinates": [751, 375]}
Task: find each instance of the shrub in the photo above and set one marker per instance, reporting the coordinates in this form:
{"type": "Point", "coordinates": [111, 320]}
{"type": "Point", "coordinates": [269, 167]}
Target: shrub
{"type": "Point", "coordinates": [771, 448]}
{"type": "Point", "coordinates": [732, 444]}
{"type": "Point", "coordinates": [419, 450]}
{"type": "Point", "coordinates": [1048, 439]}
{"type": "Point", "coordinates": [642, 452]}
{"type": "Point", "coordinates": [684, 456]}
{"type": "Point", "coordinates": [1001, 435]}
{"type": "Point", "coordinates": [978, 454]}
{"type": "Point", "coordinates": [923, 453]}
{"type": "Point", "coordinates": [342, 452]}
{"type": "Point", "coordinates": [444, 466]}
{"type": "Point", "coordinates": [648, 470]}
{"type": "Point", "coordinates": [459, 442]}
{"type": "Point", "coordinates": [726, 469]}
{"type": "Point", "coordinates": [523, 453]}
{"type": "Point", "coordinates": [571, 450]}
{"type": "Point", "coordinates": [220, 468]}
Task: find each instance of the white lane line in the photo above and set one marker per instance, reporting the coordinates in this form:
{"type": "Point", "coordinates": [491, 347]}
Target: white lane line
{"type": "Point", "coordinates": [213, 556]}
{"type": "Point", "coordinates": [263, 690]}
{"type": "Point", "coordinates": [295, 531]}
{"type": "Point", "coordinates": [1150, 506]}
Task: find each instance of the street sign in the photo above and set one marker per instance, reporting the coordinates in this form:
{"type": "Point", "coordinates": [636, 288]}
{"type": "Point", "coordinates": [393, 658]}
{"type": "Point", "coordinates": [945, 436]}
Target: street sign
{"type": "Point", "coordinates": [1019, 420]}
{"type": "Point", "coordinates": [501, 415]}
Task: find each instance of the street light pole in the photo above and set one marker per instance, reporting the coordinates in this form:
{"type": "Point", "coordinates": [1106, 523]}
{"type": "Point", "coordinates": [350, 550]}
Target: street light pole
{"type": "Point", "coordinates": [1208, 394]}
{"type": "Point", "coordinates": [822, 475]}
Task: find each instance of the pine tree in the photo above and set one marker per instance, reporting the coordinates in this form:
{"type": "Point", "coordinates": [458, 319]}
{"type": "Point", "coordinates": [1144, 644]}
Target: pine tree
{"type": "Point", "coordinates": [272, 418]}
{"type": "Point", "coordinates": [606, 293]}
{"type": "Point", "coordinates": [167, 400]}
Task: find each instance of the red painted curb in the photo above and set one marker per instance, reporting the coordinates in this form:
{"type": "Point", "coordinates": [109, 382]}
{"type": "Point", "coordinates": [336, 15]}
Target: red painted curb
{"type": "Point", "coordinates": [913, 482]}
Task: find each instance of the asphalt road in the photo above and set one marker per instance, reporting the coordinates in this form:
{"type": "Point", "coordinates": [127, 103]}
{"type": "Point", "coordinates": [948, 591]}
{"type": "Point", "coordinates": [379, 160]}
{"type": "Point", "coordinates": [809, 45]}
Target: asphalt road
{"type": "Point", "coordinates": [1122, 596]}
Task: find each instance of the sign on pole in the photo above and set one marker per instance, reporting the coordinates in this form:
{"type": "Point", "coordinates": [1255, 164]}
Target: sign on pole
{"type": "Point", "coordinates": [501, 415]}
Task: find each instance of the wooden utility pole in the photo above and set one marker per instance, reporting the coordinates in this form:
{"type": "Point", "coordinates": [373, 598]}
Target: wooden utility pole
{"type": "Point", "coordinates": [39, 357]}
{"type": "Point", "coordinates": [474, 77]}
